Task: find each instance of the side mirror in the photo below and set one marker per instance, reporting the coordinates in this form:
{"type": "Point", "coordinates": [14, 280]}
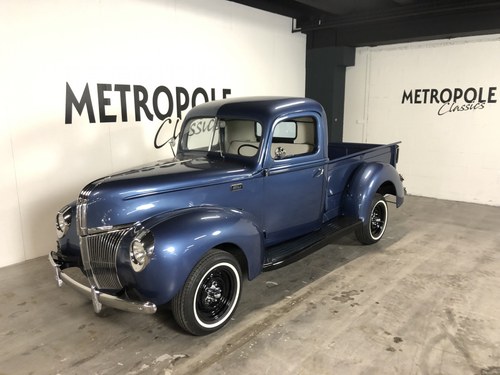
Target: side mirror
{"type": "Point", "coordinates": [172, 140]}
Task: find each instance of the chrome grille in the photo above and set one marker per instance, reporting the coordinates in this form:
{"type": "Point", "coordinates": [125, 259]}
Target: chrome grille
{"type": "Point", "coordinates": [99, 253]}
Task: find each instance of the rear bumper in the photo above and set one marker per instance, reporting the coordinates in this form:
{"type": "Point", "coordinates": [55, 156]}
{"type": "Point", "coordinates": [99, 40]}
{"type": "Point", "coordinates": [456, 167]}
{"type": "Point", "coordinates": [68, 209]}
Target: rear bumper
{"type": "Point", "coordinates": [98, 298]}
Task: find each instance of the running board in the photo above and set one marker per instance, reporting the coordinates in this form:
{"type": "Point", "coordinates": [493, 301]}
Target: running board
{"type": "Point", "coordinates": [288, 252]}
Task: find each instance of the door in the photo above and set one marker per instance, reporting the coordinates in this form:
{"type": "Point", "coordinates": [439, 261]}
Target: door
{"type": "Point", "coordinates": [295, 180]}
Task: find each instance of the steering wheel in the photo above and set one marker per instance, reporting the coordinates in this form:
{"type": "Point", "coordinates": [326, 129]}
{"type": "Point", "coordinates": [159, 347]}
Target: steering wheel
{"type": "Point", "coordinates": [247, 145]}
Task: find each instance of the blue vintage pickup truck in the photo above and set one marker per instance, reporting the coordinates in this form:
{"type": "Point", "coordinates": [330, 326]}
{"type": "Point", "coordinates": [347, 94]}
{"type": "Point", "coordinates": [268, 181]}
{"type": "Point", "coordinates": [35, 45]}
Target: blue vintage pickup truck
{"type": "Point", "coordinates": [254, 184]}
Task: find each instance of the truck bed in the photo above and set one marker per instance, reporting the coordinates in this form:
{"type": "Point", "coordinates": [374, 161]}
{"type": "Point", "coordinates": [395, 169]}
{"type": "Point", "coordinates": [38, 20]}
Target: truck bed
{"type": "Point", "coordinates": [344, 159]}
{"type": "Point", "coordinates": [363, 151]}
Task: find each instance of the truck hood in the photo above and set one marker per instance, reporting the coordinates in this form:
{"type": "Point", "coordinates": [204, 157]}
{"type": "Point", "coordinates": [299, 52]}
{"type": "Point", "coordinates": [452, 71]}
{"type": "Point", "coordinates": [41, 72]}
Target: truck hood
{"type": "Point", "coordinates": [139, 193]}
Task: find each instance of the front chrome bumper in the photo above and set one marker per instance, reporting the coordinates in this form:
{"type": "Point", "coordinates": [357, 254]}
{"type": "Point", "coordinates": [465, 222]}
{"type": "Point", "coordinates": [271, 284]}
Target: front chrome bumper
{"type": "Point", "coordinates": [98, 298]}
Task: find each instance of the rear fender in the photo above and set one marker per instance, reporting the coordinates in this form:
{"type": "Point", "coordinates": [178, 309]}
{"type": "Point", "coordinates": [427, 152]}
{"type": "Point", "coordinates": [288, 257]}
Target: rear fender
{"type": "Point", "coordinates": [365, 182]}
{"type": "Point", "coordinates": [183, 237]}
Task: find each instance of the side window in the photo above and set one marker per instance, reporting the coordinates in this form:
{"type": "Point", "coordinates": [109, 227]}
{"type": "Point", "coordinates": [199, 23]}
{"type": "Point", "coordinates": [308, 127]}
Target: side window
{"type": "Point", "coordinates": [285, 131]}
{"type": "Point", "coordinates": [294, 137]}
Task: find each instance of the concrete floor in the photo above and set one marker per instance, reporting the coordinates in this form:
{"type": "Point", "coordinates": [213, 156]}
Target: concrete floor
{"type": "Point", "coordinates": [424, 300]}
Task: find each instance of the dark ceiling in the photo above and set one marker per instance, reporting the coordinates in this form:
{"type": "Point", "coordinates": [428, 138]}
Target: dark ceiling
{"type": "Point", "coordinates": [375, 22]}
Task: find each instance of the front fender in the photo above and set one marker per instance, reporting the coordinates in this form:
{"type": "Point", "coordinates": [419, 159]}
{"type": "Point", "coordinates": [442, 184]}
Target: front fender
{"type": "Point", "coordinates": [68, 246]}
{"type": "Point", "coordinates": [181, 238]}
{"type": "Point", "coordinates": [365, 182]}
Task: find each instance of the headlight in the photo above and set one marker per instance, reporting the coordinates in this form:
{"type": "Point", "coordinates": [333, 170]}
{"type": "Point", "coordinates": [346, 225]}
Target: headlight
{"type": "Point", "coordinates": [141, 250]}
{"type": "Point", "coordinates": [63, 221]}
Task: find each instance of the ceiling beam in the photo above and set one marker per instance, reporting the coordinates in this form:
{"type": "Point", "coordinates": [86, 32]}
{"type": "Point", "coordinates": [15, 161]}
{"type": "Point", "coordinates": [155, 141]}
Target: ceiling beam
{"type": "Point", "coordinates": [286, 8]}
{"type": "Point", "coordinates": [374, 22]}
{"type": "Point", "coordinates": [406, 29]}
{"type": "Point", "coordinates": [384, 14]}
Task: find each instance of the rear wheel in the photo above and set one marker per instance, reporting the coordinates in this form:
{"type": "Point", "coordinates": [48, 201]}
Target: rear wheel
{"type": "Point", "coordinates": [374, 226]}
{"type": "Point", "coordinates": [210, 295]}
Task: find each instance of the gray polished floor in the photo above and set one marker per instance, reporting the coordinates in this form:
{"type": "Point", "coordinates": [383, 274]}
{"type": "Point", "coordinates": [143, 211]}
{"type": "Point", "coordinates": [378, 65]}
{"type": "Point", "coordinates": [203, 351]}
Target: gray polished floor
{"type": "Point", "coordinates": [424, 300]}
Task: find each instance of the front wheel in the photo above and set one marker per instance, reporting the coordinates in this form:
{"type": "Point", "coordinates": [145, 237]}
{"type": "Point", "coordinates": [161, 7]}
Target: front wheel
{"type": "Point", "coordinates": [210, 295]}
{"type": "Point", "coordinates": [374, 226]}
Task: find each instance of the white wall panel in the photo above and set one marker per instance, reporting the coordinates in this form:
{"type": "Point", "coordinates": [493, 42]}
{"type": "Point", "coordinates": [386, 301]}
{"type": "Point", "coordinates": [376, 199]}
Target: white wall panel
{"type": "Point", "coordinates": [10, 215]}
{"type": "Point", "coordinates": [453, 155]}
{"type": "Point", "coordinates": [172, 43]}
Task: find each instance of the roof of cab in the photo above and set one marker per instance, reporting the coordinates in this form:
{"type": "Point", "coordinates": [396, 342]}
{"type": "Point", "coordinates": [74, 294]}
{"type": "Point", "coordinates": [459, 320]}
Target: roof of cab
{"type": "Point", "coordinates": [258, 107]}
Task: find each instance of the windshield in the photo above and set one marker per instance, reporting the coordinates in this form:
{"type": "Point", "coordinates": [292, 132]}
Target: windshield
{"type": "Point", "coordinates": [228, 137]}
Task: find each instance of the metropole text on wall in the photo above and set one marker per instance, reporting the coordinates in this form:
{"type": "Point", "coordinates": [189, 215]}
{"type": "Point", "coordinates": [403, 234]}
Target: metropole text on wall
{"type": "Point", "coordinates": [452, 100]}
{"type": "Point", "coordinates": [162, 103]}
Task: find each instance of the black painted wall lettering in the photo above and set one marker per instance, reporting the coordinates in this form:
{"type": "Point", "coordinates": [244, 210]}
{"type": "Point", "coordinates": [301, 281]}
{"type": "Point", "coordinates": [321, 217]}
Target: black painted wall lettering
{"type": "Point", "coordinates": [162, 104]}
{"type": "Point", "coordinates": [140, 100]}
{"type": "Point", "coordinates": [156, 108]}
{"type": "Point", "coordinates": [452, 100]}
{"type": "Point", "coordinates": [72, 101]}
{"type": "Point", "coordinates": [103, 102]}
{"type": "Point", "coordinates": [203, 93]}
{"type": "Point", "coordinates": [123, 89]}
{"type": "Point", "coordinates": [182, 103]}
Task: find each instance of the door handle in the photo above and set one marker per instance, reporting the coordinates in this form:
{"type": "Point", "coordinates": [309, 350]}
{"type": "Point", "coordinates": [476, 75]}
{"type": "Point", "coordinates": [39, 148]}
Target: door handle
{"type": "Point", "coordinates": [319, 172]}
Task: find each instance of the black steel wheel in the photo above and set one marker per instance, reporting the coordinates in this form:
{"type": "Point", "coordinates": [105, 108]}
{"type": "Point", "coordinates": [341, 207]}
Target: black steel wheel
{"type": "Point", "coordinates": [210, 295]}
{"type": "Point", "coordinates": [374, 226]}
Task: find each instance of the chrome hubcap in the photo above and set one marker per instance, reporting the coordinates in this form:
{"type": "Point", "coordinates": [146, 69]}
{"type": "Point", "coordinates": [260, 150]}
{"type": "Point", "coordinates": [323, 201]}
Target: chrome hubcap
{"type": "Point", "coordinates": [214, 293]}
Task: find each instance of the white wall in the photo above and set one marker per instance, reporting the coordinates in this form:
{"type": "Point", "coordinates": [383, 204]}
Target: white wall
{"type": "Point", "coordinates": [175, 43]}
{"type": "Point", "coordinates": [450, 155]}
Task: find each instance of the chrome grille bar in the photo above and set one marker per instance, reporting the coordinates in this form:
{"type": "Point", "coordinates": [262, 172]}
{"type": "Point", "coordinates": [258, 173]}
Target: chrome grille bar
{"type": "Point", "coordinates": [81, 209]}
